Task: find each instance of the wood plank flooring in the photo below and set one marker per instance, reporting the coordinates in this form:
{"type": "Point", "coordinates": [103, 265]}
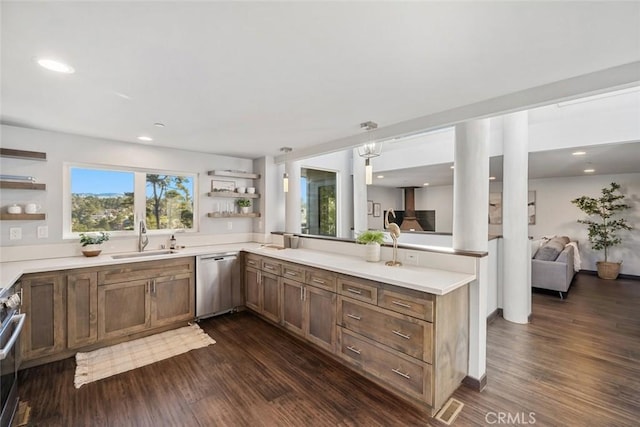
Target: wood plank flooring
{"type": "Point", "coordinates": [576, 364]}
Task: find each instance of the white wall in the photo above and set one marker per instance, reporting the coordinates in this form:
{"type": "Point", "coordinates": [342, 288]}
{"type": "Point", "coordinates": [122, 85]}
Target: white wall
{"type": "Point", "coordinates": [61, 148]}
{"type": "Point", "coordinates": [440, 199]}
{"type": "Point", "coordinates": [556, 215]}
{"type": "Point", "coordinates": [389, 198]}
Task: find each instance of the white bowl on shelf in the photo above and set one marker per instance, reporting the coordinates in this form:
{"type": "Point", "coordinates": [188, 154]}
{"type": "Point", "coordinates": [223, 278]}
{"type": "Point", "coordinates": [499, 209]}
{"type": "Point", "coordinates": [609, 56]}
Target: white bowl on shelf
{"type": "Point", "coordinates": [251, 190]}
{"type": "Point", "coordinates": [240, 190]}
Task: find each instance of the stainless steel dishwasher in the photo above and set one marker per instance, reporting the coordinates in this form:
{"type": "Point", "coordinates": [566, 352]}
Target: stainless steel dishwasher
{"type": "Point", "coordinates": [218, 286]}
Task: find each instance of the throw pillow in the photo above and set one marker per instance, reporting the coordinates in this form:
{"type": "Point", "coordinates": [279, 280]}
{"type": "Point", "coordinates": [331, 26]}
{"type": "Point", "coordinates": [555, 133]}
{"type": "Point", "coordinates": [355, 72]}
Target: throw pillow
{"type": "Point", "coordinates": [551, 250]}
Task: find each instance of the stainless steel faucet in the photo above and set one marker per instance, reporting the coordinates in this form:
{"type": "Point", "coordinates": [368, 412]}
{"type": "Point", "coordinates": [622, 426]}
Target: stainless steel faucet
{"type": "Point", "coordinates": [143, 239]}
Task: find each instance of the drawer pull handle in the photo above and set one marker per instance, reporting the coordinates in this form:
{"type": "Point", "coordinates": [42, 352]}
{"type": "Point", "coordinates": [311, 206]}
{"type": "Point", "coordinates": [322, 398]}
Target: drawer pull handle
{"type": "Point", "coordinates": [250, 262]}
{"type": "Point", "coordinates": [401, 304]}
{"type": "Point", "coordinates": [318, 281]}
{"type": "Point", "coordinates": [402, 374]}
{"type": "Point", "coordinates": [269, 267]}
{"type": "Point", "coordinates": [354, 291]}
{"type": "Point", "coordinates": [353, 316]}
{"type": "Point", "coordinates": [400, 334]}
{"type": "Point", "coordinates": [291, 273]}
{"type": "Point", "coordinates": [355, 350]}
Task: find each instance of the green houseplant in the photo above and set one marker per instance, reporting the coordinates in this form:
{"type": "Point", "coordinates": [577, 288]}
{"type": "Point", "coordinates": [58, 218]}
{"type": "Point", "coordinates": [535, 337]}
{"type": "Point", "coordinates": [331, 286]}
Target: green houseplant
{"type": "Point", "coordinates": [373, 239]}
{"type": "Point", "coordinates": [244, 205]}
{"type": "Point", "coordinates": [91, 242]}
{"type": "Point", "coordinates": [602, 226]}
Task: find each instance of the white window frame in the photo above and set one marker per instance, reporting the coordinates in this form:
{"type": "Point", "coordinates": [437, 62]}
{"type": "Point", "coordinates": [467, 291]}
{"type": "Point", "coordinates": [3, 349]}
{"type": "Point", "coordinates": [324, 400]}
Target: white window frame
{"type": "Point", "coordinates": [139, 202]}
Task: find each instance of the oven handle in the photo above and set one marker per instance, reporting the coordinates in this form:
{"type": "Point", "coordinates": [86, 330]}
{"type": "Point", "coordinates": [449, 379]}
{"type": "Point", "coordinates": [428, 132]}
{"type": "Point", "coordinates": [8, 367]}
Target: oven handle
{"type": "Point", "coordinates": [20, 318]}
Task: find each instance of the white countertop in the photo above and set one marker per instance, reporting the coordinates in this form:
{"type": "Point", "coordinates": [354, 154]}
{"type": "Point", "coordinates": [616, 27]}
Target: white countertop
{"type": "Point", "coordinates": [431, 280]}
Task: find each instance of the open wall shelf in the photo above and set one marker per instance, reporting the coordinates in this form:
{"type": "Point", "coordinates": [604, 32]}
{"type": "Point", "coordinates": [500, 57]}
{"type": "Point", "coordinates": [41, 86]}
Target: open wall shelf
{"type": "Point", "coordinates": [23, 217]}
{"type": "Point", "coordinates": [231, 174]}
{"type": "Point", "coordinates": [22, 154]}
{"type": "Point", "coordinates": [231, 194]}
{"type": "Point", "coordinates": [17, 185]}
{"type": "Point", "coordinates": [234, 215]}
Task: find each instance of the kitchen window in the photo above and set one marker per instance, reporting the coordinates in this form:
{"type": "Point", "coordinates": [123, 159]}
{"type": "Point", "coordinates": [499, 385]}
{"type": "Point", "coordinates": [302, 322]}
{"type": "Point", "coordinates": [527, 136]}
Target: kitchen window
{"type": "Point", "coordinates": [112, 199]}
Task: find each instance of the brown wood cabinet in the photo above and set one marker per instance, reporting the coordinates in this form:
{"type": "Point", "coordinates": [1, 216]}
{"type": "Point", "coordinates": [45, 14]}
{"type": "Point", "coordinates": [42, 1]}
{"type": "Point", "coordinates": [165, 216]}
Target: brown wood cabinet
{"type": "Point", "coordinates": [88, 308]}
{"type": "Point", "coordinates": [262, 288]}
{"type": "Point", "coordinates": [123, 308]}
{"type": "Point", "coordinates": [82, 308]}
{"type": "Point", "coordinates": [43, 302]}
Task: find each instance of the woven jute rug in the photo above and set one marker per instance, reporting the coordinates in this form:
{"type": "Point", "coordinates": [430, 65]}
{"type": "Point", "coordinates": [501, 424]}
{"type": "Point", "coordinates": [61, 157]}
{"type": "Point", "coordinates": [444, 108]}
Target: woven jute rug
{"type": "Point", "coordinates": [108, 361]}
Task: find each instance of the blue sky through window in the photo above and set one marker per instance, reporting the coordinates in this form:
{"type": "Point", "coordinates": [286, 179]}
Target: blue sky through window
{"type": "Point", "coordinates": [96, 181]}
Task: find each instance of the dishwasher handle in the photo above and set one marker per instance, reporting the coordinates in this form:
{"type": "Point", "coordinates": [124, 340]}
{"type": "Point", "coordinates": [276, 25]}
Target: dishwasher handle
{"type": "Point", "coordinates": [218, 257]}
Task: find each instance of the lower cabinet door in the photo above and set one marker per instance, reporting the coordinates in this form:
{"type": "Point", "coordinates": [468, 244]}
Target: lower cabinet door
{"type": "Point", "coordinates": [293, 306]}
{"type": "Point", "coordinates": [321, 317]}
{"type": "Point", "coordinates": [270, 296]}
{"type": "Point", "coordinates": [82, 309]}
{"type": "Point", "coordinates": [123, 308]}
{"type": "Point", "coordinates": [43, 303]}
{"type": "Point", "coordinates": [252, 289]}
{"type": "Point", "coordinates": [172, 299]}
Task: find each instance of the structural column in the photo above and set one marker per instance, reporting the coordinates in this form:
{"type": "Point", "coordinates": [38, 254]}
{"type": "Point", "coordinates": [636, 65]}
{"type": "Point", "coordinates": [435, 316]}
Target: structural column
{"type": "Point", "coordinates": [360, 218]}
{"type": "Point", "coordinates": [516, 294]}
{"type": "Point", "coordinates": [293, 217]}
{"type": "Point", "coordinates": [471, 229]}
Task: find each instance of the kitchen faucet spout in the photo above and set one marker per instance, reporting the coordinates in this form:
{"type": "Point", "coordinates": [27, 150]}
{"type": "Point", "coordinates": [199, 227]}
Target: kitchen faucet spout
{"type": "Point", "coordinates": [143, 239]}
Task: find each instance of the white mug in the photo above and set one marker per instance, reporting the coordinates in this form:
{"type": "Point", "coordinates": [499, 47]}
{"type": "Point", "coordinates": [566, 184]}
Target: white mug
{"type": "Point", "coordinates": [251, 190]}
{"type": "Point", "coordinates": [240, 189]}
{"type": "Point", "coordinates": [30, 208]}
{"type": "Point", "coordinates": [14, 209]}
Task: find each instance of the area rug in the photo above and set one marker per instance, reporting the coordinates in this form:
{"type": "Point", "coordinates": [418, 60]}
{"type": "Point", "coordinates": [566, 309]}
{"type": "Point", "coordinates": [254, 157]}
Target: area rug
{"type": "Point", "coordinates": [104, 362]}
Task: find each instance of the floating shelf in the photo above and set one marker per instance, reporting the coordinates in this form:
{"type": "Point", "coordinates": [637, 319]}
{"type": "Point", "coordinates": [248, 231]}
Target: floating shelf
{"type": "Point", "coordinates": [17, 185]}
{"type": "Point", "coordinates": [230, 174]}
{"type": "Point", "coordinates": [23, 217]}
{"type": "Point", "coordinates": [234, 215]}
{"type": "Point", "coordinates": [231, 194]}
{"type": "Point", "coordinates": [22, 154]}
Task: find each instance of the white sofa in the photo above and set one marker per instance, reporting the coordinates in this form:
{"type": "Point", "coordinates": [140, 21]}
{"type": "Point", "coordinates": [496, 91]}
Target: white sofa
{"type": "Point", "coordinates": [554, 274]}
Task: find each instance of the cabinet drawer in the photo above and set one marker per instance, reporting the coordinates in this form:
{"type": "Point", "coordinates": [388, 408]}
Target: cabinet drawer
{"type": "Point", "coordinates": [407, 375]}
{"type": "Point", "coordinates": [321, 279]}
{"type": "Point", "coordinates": [414, 304]}
{"type": "Point", "coordinates": [252, 260]}
{"type": "Point", "coordinates": [403, 333]}
{"type": "Point", "coordinates": [145, 270]}
{"type": "Point", "coordinates": [360, 289]}
{"type": "Point", "coordinates": [293, 271]}
{"type": "Point", "coordinates": [270, 266]}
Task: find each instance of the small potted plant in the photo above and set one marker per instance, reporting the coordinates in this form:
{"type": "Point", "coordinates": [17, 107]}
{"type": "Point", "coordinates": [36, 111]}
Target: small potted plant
{"type": "Point", "coordinates": [91, 243]}
{"type": "Point", "coordinates": [373, 239]}
{"type": "Point", "coordinates": [244, 205]}
{"type": "Point", "coordinates": [603, 227]}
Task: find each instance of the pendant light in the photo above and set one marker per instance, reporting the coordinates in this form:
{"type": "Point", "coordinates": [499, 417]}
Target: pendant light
{"type": "Point", "coordinates": [369, 150]}
{"type": "Point", "coordinates": [285, 175]}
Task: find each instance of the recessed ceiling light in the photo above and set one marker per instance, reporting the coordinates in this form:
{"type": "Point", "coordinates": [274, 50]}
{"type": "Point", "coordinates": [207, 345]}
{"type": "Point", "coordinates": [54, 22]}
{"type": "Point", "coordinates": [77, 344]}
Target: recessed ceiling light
{"type": "Point", "coordinates": [123, 95]}
{"type": "Point", "coordinates": [57, 66]}
{"type": "Point", "coordinates": [380, 176]}
{"type": "Point", "coordinates": [145, 138]}
{"type": "Point", "coordinates": [491, 178]}
{"type": "Point", "coordinates": [589, 170]}
{"type": "Point", "coordinates": [159, 125]}
{"type": "Point", "coordinates": [452, 166]}
{"type": "Point", "coordinates": [425, 184]}
{"type": "Point", "coordinates": [579, 153]}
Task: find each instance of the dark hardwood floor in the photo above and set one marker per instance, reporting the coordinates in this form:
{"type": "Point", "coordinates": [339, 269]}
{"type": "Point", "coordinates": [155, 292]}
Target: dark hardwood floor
{"type": "Point", "coordinates": [576, 364]}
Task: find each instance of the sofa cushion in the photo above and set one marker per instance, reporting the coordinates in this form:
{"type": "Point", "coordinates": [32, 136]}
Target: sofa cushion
{"type": "Point", "coordinates": [551, 250]}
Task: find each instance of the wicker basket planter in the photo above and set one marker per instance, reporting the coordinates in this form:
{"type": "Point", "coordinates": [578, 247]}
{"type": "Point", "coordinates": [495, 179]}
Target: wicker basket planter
{"type": "Point", "coordinates": [608, 270]}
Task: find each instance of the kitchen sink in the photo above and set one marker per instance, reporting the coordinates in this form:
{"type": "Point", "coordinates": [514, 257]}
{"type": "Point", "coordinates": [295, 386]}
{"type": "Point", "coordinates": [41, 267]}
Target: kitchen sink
{"type": "Point", "coordinates": [144, 254]}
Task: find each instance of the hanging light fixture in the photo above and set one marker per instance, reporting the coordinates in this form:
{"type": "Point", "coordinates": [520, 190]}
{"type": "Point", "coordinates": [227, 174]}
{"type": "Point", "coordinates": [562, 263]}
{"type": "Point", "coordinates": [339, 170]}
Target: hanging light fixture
{"type": "Point", "coordinates": [285, 175]}
{"type": "Point", "coordinates": [369, 150]}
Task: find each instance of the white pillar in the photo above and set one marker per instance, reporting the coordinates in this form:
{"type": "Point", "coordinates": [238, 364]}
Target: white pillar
{"type": "Point", "coordinates": [515, 219]}
{"type": "Point", "coordinates": [292, 198]}
{"type": "Point", "coordinates": [360, 219]}
{"type": "Point", "coordinates": [471, 228]}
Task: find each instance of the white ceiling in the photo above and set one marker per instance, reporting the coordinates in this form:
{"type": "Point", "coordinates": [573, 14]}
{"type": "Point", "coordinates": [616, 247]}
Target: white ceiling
{"type": "Point", "coordinates": [246, 78]}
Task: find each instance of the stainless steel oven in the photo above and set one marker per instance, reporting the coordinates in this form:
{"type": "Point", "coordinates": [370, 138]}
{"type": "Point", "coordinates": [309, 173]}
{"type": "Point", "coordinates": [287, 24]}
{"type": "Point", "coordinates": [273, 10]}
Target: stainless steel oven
{"type": "Point", "coordinates": [11, 325]}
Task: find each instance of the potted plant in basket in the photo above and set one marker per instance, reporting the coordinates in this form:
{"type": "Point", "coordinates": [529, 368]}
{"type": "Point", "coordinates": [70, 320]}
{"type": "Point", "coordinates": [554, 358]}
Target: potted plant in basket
{"type": "Point", "coordinates": [373, 239]}
{"type": "Point", "coordinates": [244, 205]}
{"type": "Point", "coordinates": [603, 227]}
{"type": "Point", "coordinates": [91, 243]}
